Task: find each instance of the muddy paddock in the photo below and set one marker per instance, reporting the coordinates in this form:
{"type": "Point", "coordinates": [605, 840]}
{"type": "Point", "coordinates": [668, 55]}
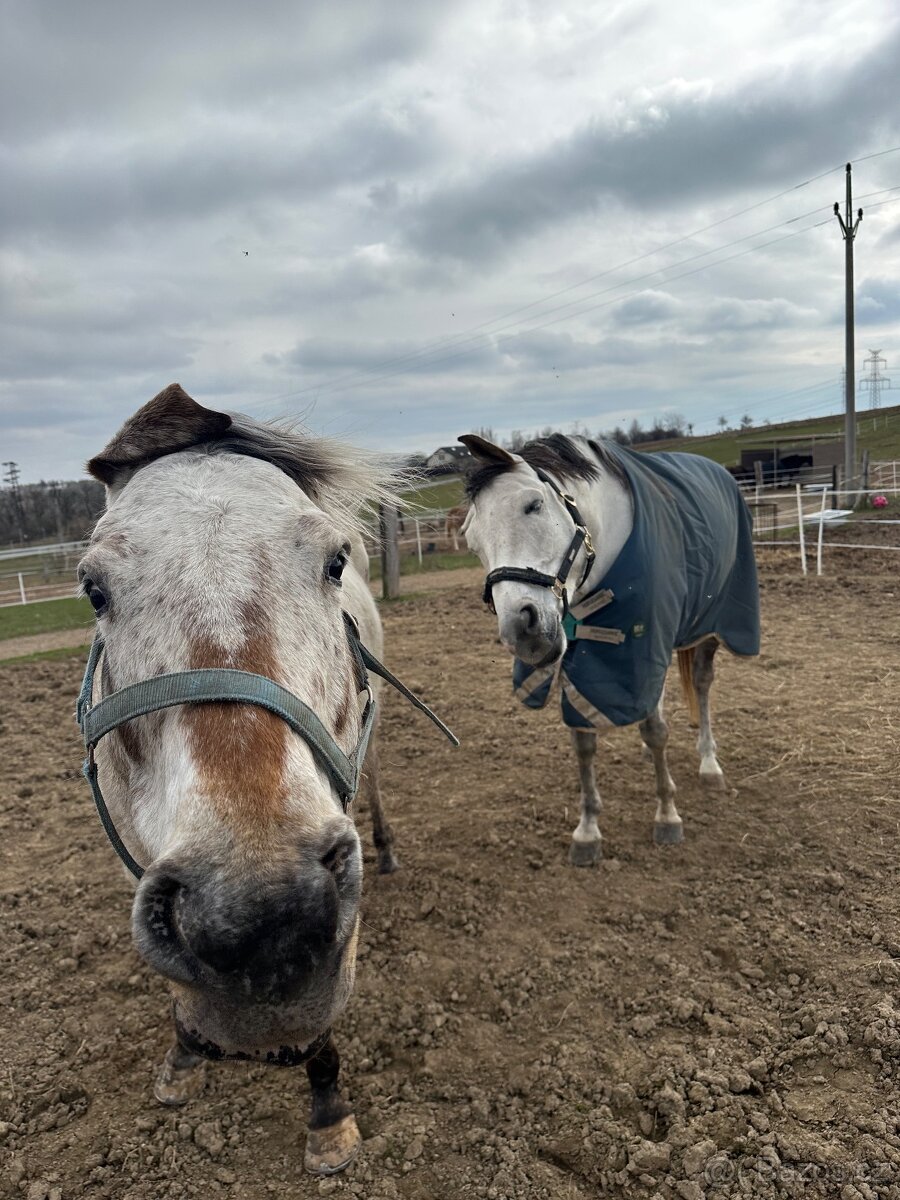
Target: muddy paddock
{"type": "Point", "coordinates": [720, 1019]}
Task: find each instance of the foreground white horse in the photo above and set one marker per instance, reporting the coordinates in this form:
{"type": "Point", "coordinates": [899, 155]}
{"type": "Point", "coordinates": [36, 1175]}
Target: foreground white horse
{"type": "Point", "coordinates": [601, 563]}
{"type": "Point", "coordinates": [221, 572]}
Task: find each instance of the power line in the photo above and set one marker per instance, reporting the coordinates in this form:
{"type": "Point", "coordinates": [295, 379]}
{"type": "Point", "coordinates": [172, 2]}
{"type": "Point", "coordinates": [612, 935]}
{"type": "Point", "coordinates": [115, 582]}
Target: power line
{"type": "Point", "coordinates": [465, 335]}
{"type": "Point", "coordinates": [452, 352]}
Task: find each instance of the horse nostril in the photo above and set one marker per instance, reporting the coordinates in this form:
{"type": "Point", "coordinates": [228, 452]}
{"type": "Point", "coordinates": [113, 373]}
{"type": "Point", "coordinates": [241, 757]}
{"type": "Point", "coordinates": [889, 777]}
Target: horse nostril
{"type": "Point", "coordinates": [155, 926]}
{"type": "Point", "coordinates": [529, 616]}
{"type": "Point", "coordinates": [337, 857]}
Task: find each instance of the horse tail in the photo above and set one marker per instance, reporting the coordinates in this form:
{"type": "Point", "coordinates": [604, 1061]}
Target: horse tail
{"type": "Point", "coordinates": [686, 672]}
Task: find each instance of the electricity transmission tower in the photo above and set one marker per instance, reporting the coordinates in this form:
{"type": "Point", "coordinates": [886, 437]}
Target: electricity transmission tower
{"type": "Point", "coordinates": [11, 477]}
{"type": "Point", "coordinates": [875, 380]}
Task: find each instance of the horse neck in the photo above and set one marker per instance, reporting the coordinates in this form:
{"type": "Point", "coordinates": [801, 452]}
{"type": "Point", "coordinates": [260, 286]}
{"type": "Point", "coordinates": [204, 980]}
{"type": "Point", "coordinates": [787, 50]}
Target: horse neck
{"type": "Point", "coordinates": [608, 511]}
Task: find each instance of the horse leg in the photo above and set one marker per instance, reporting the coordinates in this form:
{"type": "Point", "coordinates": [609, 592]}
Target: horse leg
{"type": "Point", "coordinates": [382, 834]}
{"type": "Point", "coordinates": [333, 1140]}
{"type": "Point", "coordinates": [181, 1077]}
{"type": "Point", "coordinates": [667, 829]}
{"type": "Point", "coordinates": [711, 775]}
{"type": "Point", "coordinates": [586, 847]}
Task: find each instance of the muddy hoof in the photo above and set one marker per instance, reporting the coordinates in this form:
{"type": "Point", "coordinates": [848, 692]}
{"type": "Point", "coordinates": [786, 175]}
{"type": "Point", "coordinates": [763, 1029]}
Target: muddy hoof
{"type": "Point", "coordinates": [333, 1148]}
{"type": "Point", "coordinates": [714, 783]}
{"type": "Point", "coordinates": [668, 833]}
{"type": "Point", "coordinates": [176, 1085]}
{"type": "Point", "coordinates": [387, 862]}
{"type": "Point", "coordinates": [585, 854]}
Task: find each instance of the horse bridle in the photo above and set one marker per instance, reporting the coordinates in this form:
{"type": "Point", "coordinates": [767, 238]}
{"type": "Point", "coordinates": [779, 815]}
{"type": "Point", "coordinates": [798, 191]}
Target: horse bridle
{"type": "Point", "coordinates": [556, 583]}
{"type": "Point", "coordinates": [220, 684]}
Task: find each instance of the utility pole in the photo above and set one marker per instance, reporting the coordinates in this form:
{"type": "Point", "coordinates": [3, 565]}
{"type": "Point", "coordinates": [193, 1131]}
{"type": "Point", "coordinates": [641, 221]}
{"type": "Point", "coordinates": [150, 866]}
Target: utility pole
{"type": "Point", "coordinates": [848, 229]}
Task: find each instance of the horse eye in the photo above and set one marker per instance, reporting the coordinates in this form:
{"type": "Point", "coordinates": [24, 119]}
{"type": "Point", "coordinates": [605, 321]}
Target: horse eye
{"type": "Point", "coordinates": [97, 599]}
{"type": "Point", "coordinates": [335, 568]}
{"type": "Point", "coordinates": [535, 506]}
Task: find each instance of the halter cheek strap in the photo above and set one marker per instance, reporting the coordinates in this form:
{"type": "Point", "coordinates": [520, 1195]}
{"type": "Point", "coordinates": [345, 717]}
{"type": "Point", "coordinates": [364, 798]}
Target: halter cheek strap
{"type": "Point", "coordinates": [556, 583]}
{"type": "Point", "coordinates": [237, 687]}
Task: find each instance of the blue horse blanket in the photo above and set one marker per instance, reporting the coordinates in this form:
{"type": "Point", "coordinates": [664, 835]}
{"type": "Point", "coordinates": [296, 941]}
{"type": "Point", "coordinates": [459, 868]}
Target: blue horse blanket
{"type": "Point", "coordinates": [686, 572]}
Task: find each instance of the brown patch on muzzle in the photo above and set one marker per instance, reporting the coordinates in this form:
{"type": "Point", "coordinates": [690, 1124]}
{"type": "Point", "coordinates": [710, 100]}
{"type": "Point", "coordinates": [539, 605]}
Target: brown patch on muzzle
{"type": "Point", "coordinates": [240, 749]}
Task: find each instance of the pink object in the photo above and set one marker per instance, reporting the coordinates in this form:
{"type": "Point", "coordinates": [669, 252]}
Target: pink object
{"type": "Point", "coordinates": [879, 501]}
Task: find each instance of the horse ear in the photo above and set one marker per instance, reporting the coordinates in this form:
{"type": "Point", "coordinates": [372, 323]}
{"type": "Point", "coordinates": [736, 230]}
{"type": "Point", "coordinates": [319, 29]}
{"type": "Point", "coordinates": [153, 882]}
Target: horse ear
{"type": "Point", "coordinates": [488, 451]}
{"type": "Point", "coordinates": [170, 421]}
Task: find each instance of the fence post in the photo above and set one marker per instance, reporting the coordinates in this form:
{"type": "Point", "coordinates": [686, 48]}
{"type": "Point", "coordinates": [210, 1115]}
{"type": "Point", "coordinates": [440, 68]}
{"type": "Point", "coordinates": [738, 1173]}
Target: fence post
{"type": "Point", "coordinates": [758, 476]}
{"type": "Point", "coordinates": [821, 528]}
{"type": "Point", "coordinates": [802, 531]}
{"type": "Point", "coordinates": [21, 587]}
{"type": "Point", "coordinates": [390, 553]}
{"type": "Point", "coordinates": [418, 541]}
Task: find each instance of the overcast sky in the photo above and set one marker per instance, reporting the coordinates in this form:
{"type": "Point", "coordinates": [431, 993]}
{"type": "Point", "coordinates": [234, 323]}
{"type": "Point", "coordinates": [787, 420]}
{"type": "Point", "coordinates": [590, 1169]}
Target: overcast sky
{"type": "Point", "coordinates": [407, 220]}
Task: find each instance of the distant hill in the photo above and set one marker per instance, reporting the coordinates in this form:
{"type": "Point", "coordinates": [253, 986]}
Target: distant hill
{"type": "Point", "coordinates": [879, 433]}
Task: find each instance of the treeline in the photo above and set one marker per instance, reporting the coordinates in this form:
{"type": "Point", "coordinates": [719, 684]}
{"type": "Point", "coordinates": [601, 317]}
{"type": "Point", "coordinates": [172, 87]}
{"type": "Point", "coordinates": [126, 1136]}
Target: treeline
{"type": "Point", "coordinates": [671, 426]}
{"type": "Point", "coordinates": [54, 511]}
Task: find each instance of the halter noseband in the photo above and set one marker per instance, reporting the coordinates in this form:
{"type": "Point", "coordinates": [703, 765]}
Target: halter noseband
{"type": "Point", "coordinates": [238, 687]}
{"type": "Point", "coordinates": [556, 583]}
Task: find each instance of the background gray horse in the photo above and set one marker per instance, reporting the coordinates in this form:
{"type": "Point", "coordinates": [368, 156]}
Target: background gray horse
{"type": "Point", "coordinates": [601, 563]}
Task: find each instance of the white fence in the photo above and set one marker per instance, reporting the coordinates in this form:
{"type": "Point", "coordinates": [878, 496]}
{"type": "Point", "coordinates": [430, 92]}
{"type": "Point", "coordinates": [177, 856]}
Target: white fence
{"type": "Point", "coordinates": [32, 573]}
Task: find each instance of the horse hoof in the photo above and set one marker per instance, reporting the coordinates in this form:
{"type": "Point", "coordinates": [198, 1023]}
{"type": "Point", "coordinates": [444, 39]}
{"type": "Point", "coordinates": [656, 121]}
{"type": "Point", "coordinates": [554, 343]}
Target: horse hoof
{"type": "Point", "coordinates": [668, 833]}
{"type": "Point", "coordinates": [714, 783]}
{"type": "Point", "coordinates": [387, 863]}
{"type": "Point", "coordinates": [333, 1148]}
{"type": "Point", "coordinates": [585, 854]}
{"type": "Point", "coordinates": [176, 1085]}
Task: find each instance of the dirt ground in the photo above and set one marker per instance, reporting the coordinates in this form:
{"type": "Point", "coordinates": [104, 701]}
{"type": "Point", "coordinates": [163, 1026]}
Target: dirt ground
{"type": "Point", "coordinates": [720, 1019]}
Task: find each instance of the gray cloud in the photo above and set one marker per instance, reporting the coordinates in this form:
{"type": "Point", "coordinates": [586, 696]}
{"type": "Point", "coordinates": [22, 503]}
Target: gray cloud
{"type": "Point", "coordinates": [403, 176]}
{"type": "Point", "coordinates": [678, 144]}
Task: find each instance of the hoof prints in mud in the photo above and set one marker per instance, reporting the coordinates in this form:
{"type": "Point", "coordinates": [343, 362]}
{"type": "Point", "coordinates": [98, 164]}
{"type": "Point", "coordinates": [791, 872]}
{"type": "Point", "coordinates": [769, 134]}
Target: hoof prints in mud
{"type": "Point", "coordinates": [719, 1020]}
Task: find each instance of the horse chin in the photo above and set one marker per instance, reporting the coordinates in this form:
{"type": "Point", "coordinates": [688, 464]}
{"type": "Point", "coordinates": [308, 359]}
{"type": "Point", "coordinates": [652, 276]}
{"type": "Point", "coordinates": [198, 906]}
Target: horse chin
{"type": "Point", "coordinates": [280, 1033]}
{"type": "Point", "coordinates": [541, 651]}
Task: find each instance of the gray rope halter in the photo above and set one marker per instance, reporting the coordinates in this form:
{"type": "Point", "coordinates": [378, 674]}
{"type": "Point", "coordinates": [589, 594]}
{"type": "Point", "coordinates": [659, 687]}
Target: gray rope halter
{"type": "Point", "coordinates": [220, 684]}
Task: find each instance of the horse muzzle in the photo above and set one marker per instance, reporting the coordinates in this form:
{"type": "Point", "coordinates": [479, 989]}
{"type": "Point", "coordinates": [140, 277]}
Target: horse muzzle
{"type": "Point", "coordinates": [220, 1028]}
{"type": "Point", "coordinates": [532, 632]}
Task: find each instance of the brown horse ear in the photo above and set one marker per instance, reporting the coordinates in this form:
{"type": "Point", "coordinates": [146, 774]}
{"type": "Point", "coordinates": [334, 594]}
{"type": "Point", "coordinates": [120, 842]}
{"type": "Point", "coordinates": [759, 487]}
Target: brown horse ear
{"type": "Point", "coordinates": [170, 421]}
{"type": "Point", "coordinates": [488, 451]}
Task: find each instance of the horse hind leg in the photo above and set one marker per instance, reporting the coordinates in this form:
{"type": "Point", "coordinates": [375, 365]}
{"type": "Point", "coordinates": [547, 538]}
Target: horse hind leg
{"type": "Point", "coordinates": [711, 775]}
{"type": "Point", "coordinates": [181, 1077]}
{"type": "Point", "coordinates": [667, 827]}
{"type": "Point", "coordinates": [586, 847]}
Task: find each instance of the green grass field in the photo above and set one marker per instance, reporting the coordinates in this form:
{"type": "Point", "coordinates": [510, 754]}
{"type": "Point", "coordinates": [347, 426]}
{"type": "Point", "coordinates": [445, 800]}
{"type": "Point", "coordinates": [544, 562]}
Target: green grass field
{"type": "Point", "coordinates": [442, 493]}
{"type": "Point", "coordinates": [880, 436]}
{"type": "Point", "coordinates": [409, 563]}
{"type": "Point", "coordinates": [20, 620]}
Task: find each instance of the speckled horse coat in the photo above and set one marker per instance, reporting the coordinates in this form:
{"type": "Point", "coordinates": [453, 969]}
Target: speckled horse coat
{"type": "Point", "coordinates": [686, 572]}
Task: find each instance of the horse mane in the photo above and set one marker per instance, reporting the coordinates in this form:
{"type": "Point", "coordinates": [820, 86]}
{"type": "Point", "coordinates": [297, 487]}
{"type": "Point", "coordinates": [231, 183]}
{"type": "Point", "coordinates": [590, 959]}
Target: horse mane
{"type": "Point", "coordinates": [342, 479]}
{"type": "Point", "coordinates": [557, 454]}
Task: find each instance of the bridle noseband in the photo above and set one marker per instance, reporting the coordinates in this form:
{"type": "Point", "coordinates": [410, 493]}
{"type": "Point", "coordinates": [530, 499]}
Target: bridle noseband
{"type": "Point", "coordinates": [556, 583]}
{"type": "Point", "coordinates": [220, 684]}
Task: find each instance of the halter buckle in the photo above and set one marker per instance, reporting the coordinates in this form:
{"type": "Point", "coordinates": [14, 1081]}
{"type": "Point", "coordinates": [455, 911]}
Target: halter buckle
{"type": "Point", "coordinates": [588, 541]}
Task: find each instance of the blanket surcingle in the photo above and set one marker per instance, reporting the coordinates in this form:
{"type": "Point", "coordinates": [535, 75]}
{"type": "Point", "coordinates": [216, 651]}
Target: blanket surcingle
{"type": "Point", "coordinates": [687, 572]}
